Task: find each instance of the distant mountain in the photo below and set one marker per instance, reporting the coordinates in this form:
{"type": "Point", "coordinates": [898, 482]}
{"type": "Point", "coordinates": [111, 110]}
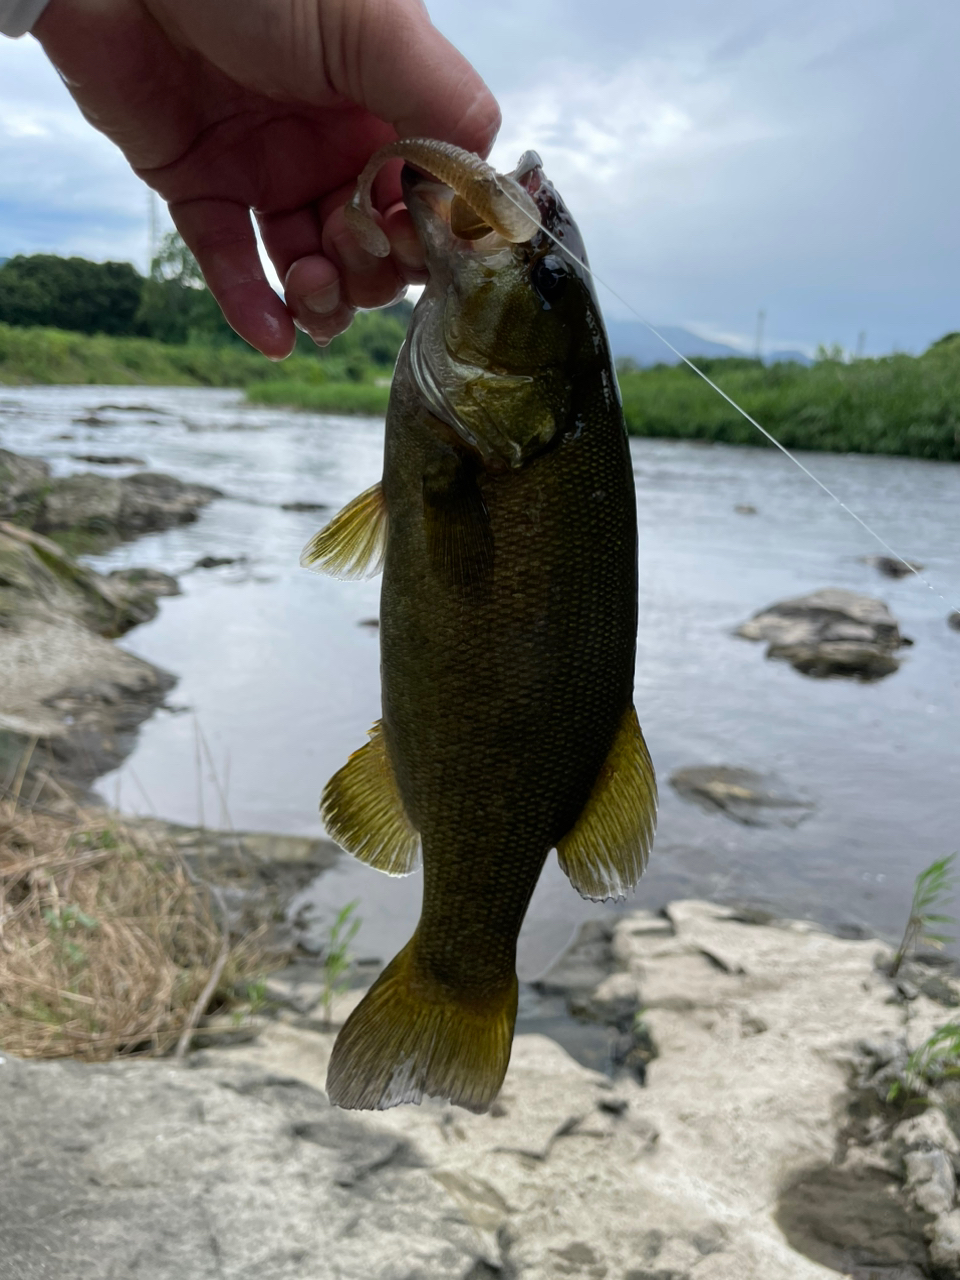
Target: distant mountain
{"type": "Point", "coordinates": [629, 338]}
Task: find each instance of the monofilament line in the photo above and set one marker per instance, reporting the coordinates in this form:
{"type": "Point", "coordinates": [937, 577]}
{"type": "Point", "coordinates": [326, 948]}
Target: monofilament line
{"type": "Point", "coordinates": [753, 422]}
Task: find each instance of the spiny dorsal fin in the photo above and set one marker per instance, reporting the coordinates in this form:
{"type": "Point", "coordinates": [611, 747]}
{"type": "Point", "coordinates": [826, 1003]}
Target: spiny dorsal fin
{"type": "Point", "coordinates": [457, 523]}
{"type": "Point", "coordinates": [411, 1037]}
{"type": "Point", "coordinates": [362, 810]}
{"type": "Point", "coordinates": [353, 544]}
{"type": "Point", "coordinates": [605, 853]}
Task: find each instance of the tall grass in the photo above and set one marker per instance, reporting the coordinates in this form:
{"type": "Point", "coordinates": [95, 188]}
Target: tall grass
{"type": "Point", "coordinates": [323, 397]}
{"type": "Point", "coordinates": [896, 405]}
{"type": "Point", "coordinates": [55, 356]}
{"type": "Point", "coordinates": [107, 945]}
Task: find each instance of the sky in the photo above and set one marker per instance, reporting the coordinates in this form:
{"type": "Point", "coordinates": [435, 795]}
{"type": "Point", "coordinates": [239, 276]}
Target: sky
{"type": "Point", "coordinates": [799, 159]}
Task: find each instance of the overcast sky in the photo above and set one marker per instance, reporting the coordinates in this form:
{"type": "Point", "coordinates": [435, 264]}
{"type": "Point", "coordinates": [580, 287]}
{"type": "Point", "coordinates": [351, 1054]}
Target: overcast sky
{"type": "Point", "coordinates": [801, 157]}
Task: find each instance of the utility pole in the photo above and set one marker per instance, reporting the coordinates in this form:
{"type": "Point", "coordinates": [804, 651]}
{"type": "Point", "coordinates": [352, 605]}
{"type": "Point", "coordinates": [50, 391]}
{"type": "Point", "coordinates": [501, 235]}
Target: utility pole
{"type": "Point", "coordinates": [153, 232]}
{"type": "Point", "coordinates": [761, 320]}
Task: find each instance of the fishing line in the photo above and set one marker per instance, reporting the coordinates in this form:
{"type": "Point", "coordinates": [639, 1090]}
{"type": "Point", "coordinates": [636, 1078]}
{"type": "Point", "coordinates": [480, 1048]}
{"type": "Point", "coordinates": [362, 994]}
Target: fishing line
{"type": "Point", "coordinates": [753, 422]}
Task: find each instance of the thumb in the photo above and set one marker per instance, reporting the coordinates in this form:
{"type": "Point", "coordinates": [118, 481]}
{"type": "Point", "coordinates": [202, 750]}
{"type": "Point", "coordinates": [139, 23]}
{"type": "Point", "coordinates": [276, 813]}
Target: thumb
{"type": "Point", "coordinates": [396, 64]}
{"type": "Point", "coordinates": [385, 56]}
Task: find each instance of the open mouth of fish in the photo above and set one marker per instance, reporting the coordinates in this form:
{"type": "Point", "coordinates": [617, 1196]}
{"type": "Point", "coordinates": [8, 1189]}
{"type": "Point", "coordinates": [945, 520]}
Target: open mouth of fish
{"type": "Point", "coordinates": [479, 201]}
{"type": "Point", "coordinates": [445, 208]}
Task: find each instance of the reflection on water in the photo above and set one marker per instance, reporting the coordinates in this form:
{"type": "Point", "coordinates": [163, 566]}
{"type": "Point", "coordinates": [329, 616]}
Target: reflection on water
{"type": "Point", "coordinates": [282, 677]}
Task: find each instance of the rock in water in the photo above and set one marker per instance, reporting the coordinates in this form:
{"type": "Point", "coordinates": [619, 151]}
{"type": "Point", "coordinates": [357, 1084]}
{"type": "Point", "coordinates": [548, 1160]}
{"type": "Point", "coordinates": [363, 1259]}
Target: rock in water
{"type": "Point", "coordinates": [954, 620]}
{"type": "Point", "coordinates": [19, 479]}
{"type": "Point", "coordinates": [832, 632]}
{"type": "Point", "coordinates": [120, 508]}
{"type": "Point", "coordinates": [892, 568]}
{"type": "Point", "coordinates": [755, 799]}
{"type": "Point", "coordinates": [61, 680]}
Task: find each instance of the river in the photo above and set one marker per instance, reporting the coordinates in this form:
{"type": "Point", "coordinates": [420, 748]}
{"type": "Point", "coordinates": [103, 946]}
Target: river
{"type": "Point", "coordinates": [278, 667]}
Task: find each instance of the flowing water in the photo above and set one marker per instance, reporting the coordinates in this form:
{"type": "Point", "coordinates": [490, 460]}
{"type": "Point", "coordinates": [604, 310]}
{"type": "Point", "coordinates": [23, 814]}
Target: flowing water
{"type": "Point", "coordinates": [278, 667]}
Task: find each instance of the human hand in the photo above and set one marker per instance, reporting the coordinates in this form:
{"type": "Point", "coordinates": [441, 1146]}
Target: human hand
{"type": "Point", "coordinates": [272, 106]}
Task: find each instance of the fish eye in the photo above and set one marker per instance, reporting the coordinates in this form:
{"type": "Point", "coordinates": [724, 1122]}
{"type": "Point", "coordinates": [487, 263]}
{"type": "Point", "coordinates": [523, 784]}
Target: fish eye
{"type": "Point", "coordinates": [549, 278]}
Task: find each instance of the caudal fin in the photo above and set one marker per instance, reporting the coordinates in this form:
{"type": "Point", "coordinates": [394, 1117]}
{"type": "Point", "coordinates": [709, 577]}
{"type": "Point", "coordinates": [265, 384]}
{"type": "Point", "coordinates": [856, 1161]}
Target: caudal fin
{"type": "Point", "coordinates": [409, 1036]}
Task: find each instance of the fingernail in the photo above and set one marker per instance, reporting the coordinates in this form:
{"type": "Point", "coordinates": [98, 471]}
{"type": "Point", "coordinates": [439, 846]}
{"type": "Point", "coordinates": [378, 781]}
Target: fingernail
{"type": "Point", "coordinates": [352, 256]}
{"type": "Point", "coordinates": [325, 300]}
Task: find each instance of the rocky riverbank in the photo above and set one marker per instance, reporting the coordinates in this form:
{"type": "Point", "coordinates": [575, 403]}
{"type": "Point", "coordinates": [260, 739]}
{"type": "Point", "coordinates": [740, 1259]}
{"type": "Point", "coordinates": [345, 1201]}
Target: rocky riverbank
{"type": "Point", "coordinates": [761, 1146]}
{"type": "Point", "coordinates": [93, 508]}
{"type": "Point", "coordinates": [70, 700]}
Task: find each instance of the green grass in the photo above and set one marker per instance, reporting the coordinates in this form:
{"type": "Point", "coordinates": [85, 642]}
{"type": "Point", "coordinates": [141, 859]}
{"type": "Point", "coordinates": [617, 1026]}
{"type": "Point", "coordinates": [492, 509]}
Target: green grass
{"type": "Point", "coordinates": [56, 356]}
{"type": "Point", "coordinates": [323, 397]}
{"type": "Point", "coordinates": [896, 405]}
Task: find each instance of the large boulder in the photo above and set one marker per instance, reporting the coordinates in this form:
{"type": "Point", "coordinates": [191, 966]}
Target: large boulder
{"type": "Point", "coordinates": [64, 687]}
{"type": "Point", "coordinates": [123, 507]}
{"type": "Point", "coordinates": [107, 508]}
{"type": "Point", "coordinates": [21, 480]}
{"type": "Point", "coordinates": [833, 632]}
{"type": "Point", "coordinates": [38, 579]}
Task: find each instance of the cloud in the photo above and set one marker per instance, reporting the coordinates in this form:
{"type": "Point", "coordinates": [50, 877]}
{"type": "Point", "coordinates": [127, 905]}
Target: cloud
{"type": "Point", "coordinates": [721, 159]}
{"type": "Point", "coordinates": [63, 187]}
{"type": "Point", "coordinates": [726, 159]}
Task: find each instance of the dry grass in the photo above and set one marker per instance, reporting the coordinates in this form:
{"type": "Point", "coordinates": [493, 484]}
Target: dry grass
{"type": "Point", "coordinates": [106, 943]}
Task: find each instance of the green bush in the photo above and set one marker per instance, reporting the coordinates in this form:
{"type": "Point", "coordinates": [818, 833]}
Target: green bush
{"type": "Point", "coordinates": [897, 405]}
{"type": "Point", "coordinates": [324, 397]}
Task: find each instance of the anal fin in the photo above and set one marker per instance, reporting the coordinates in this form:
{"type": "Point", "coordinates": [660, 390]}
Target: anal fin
{"type": "Point", "coordinates": [363, 811]}
{"type": "Point", "coordinates": [353, 544]}
{"type": "Point", "coordinates": [605, 853]}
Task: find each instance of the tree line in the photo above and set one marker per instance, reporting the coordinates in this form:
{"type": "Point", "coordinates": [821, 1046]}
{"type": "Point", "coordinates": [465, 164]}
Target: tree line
{"type": "Point", "coordinates": [171, 305]}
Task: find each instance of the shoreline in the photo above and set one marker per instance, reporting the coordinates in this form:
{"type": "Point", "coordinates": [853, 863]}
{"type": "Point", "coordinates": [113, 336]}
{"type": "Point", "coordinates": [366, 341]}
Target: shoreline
{"type": "Point", "coordinates": [756, 1143]}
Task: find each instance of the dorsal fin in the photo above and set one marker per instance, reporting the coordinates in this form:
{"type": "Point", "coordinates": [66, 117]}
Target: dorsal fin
{"type": "Point", "coordinates": [606, 851]}
{"type": "Point", "coordinates": [363, 810]}
{"type": "Point", "coordinates": [354, 543]}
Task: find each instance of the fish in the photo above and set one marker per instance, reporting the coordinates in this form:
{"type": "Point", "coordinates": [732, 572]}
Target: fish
{"type": "Point", "coordinates": [505, 526]}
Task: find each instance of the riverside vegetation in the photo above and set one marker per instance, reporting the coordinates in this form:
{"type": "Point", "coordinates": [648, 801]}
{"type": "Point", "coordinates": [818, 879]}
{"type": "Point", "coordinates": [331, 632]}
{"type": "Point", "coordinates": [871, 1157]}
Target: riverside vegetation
{"type": "Point", "coordinates": [71, 321]}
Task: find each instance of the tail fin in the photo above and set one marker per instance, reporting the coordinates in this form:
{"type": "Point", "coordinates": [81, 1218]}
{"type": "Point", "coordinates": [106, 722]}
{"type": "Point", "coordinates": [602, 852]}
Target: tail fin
{"type": "Point", "coordinates": [409, 1037]}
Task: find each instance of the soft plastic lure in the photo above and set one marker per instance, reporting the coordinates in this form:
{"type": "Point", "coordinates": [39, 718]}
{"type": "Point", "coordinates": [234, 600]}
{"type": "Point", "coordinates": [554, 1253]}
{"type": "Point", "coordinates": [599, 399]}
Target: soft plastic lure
{"type": "Point", "coordinates": [484, 199]}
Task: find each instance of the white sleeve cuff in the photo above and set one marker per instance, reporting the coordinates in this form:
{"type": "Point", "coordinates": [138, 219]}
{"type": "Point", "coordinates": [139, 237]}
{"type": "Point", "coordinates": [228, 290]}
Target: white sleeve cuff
{"type": "Point", "coordinates": [18, 16]}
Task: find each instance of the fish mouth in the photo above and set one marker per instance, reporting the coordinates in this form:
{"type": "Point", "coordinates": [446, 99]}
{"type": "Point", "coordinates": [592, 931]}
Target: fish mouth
{"type": "Point", "coordinates": [441, 215]}
{"type": "Point", "coordinates": [443, 220]}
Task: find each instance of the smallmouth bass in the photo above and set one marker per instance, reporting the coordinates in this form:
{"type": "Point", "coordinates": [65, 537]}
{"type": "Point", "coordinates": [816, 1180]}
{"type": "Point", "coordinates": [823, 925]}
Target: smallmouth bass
{"type": "Point", "coordinates": [506, 527]}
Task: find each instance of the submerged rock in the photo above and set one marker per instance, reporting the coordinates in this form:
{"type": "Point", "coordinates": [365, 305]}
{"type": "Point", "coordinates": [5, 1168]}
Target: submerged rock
{"type": "Point", "coordinates": [833, 632]}
{"type": "Point", "coordinates": [147, 581]}
{"type": "Point", "coordinates": [217, 562]}
{"type": "Point", "coordinates": [754, 799]}
{"type": "Point", "coordinates": [891, 567]}
{"type": "Point", "coordinates": [953, 620]}
{"type": "Point", "coordinates": [108, 459]}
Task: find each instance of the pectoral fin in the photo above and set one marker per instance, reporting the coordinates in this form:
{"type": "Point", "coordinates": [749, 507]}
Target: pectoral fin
{"type": "Point", "coordinates": [353, 544]}
{"type": "Point", "coordinates": [362, 810]}
{"type": "Point", "coordinates": [605, 853]}
{"type": "Point", "coordinates": [456, 523]}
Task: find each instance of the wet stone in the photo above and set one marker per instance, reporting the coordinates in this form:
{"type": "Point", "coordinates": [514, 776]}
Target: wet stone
{"type": "Point", "coordinates": [833, 632]}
